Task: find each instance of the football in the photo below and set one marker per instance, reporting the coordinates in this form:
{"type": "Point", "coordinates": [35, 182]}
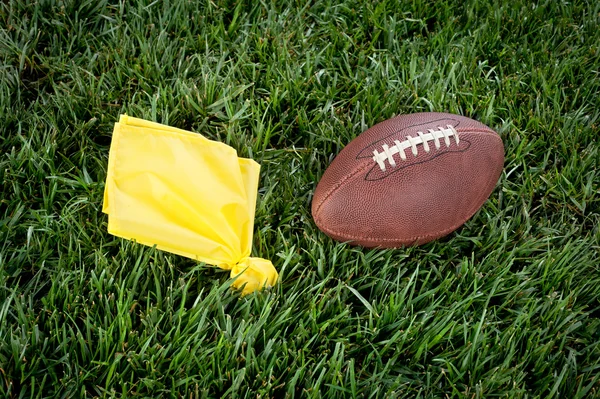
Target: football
{"type": "Point", "coordinates": [408, 180]}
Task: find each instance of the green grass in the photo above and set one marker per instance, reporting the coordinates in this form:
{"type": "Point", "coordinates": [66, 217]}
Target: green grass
{"type": "Point", "coordinates": [508, 306]}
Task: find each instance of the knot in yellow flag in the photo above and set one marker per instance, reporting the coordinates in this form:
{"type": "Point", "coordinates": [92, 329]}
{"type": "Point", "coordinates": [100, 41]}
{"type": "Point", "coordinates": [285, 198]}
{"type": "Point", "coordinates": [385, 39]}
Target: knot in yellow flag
{"type": "Point", "coordinates": [252, 274]}
{"type": "Point", "coordinates": [187, 195]}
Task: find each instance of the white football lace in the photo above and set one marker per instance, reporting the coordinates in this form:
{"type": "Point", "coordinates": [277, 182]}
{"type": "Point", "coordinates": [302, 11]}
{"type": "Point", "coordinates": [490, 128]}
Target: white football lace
{"type": "Point", "coordinates": [412, 142]}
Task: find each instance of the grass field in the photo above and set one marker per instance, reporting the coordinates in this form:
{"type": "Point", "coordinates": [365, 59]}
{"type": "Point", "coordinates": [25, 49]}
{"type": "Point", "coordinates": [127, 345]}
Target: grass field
{"type": "Point", "coordinates": [508, 306]}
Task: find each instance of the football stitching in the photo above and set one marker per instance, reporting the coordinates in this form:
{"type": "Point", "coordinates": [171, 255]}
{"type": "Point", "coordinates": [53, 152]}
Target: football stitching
{"type": "Point", "coordinates": [412, 142]}
{"type": "Point", "coordinates": [442, 152]}
{"type": "Point", "coordinates": [364, 154]}
{"type": "Point", "coordinates": [399, 168]}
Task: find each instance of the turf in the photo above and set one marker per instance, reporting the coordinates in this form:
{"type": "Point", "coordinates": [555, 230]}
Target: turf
{"type": "Point", "coordinates": [508, 306]}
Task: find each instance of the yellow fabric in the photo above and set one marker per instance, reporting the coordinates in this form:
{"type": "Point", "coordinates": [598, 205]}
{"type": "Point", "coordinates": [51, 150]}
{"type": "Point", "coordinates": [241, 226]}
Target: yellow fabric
{"type": "Point", "coordinates": [187, 195]}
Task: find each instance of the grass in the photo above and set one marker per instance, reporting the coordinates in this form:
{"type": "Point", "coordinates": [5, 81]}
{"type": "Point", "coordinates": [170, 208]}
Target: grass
{"type": "Point", "coordinates": [508, 306]}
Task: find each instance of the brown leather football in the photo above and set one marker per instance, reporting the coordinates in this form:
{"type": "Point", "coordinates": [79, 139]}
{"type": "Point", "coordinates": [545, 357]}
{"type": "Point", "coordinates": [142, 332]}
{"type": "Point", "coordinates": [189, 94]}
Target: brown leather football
{"type": "Point", "coordinates": [408, 180]}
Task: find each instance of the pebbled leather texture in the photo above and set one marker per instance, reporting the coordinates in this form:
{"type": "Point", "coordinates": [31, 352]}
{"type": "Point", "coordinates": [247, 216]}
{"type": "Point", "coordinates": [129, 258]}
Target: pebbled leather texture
{"type": "Point", "coordinates": [422, 198]}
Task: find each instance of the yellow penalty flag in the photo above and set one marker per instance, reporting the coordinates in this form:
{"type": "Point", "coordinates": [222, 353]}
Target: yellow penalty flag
{"type": "Point", "coordinates": [187, 195]}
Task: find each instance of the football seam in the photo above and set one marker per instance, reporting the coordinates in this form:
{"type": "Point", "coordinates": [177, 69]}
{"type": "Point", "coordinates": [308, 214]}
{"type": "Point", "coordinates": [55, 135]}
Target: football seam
{"type": "Point", "coordinates": [337, 186]}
